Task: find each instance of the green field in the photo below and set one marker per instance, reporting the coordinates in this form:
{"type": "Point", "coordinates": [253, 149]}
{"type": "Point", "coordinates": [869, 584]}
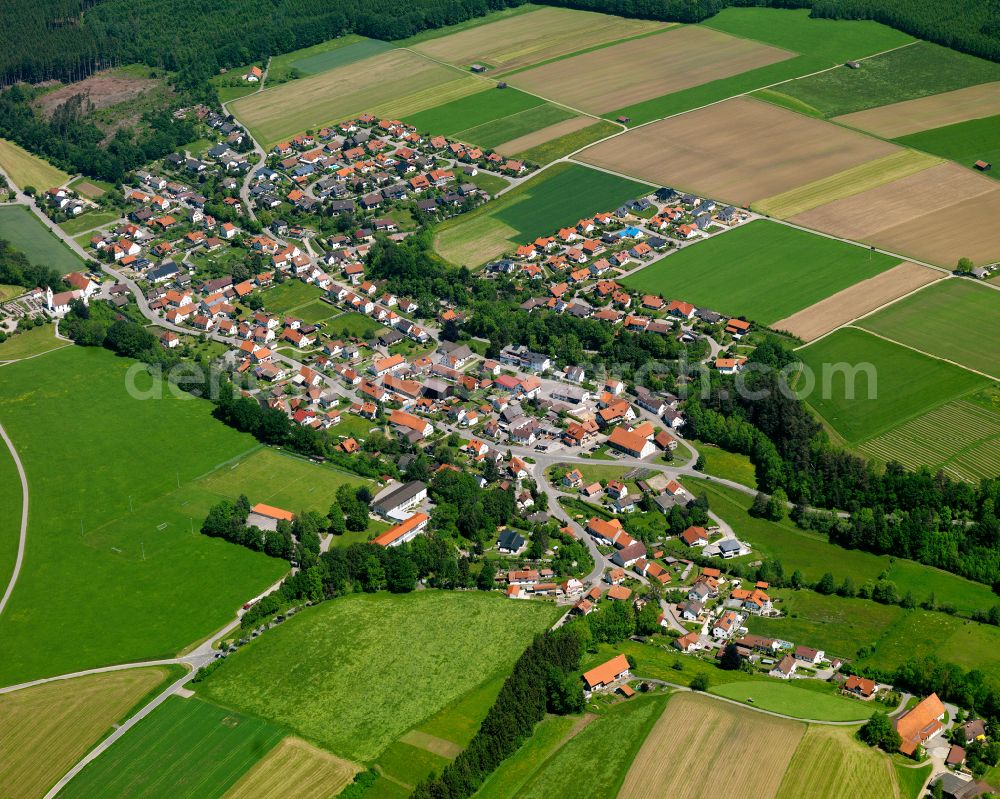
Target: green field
{"type": "Point", "coordinates": [184, 748]}
{"type": "Point", "coordinates": [26, 169]}
{"type": "Point", "coordinates": [118, 535]}
{"type": "Point", "coordinates": [345, 685]}
{"type": "Point", "coordinates": [830, 762]}
{"type": "Point", "coordinates": [762, 270]}
{"type": "Point", "coordinates": [564, 145]}
{"type": "Point", "coordinates": [10, 515]}
{"type": "Point", "coordinates": [779, 696]}
{"type": "Point", "coordinates": [23, 230]}
{"type": "Point", "coordinates": [326, 55]}
{"type": "Point", "coordinates": [951, 319]}
{"type": "Point", "coordinates": [315, 311]}
{"type": "Point", "coordinates": [593, 764]}
{"type": "Point", "coordinates": [918, 70]}
{"type": "Point", "coordinates": [964, 142]}
{"type": "Point", "coordinates": [559, 196]}
{"type": "Point", "coordinates": [911, 780]}
{"type": "Point", "coordinates": [508, 128]}
{"type": "Point", "coordinates": [509, 779]}
{"type": "Point", "coordinates": [89, 221]}
{"type": "Point", "coordinates": [728, 465]}
{"type": "Point", "coordinates": [353, 324]}
{"type": "Point", "coordinates": [469, 112]}
{"type": "Point", "coordinates": [290, 295]}
{"type": "Point", "coordinates": [30, 342]}
{"type": "Point", "coordinates": [822, 43]}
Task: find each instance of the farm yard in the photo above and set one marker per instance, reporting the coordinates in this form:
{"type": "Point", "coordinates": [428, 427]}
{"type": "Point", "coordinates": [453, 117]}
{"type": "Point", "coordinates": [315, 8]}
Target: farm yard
{"type": "Point", "coordinates": [26, 233]}
{"type": "Point", "coordinates": [294, 767]}
{"type": "Point", "coordinates": [26, 169]}
{"type": "Point", "coordinates": [925, 113]}
{"type": "Point", "coordinates": [47, 728]}
{"type": "Point", "coordinates": [791, 269]}
{"type": "Point", "coordinates": [559, 196]}
{"type": "Point", "coordinates": [453, 643]}
{"type": "Point", "coordinates": [185, 749]}
{"type": "Point", "coordinates": [599, 82]}
{"type": "Point", "coordinates": [137, 580]}
{"type": "Point", "coordinates": [673, 765]}
{"type": "Point", "coordinates": [857, 300]}
{"type": "Point", "coordinates": [740, 150]}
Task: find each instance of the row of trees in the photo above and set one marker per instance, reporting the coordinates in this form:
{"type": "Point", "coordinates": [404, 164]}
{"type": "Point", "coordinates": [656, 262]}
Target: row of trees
{"type": "Point", "coordinates": [297, 540]}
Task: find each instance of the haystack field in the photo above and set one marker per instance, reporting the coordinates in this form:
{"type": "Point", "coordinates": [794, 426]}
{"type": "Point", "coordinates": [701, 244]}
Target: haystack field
{"type": "Point", "coordinates": [857, 300]}
{"type": "Point", "coordinates": [533, 37]}
{"type": "Point", "coordinates": [925, 113]}
{"type": "Point", "coordinates": [529, 140]}
{"type": "Point", "coordinates": [294, 768]}
{"type": "Point", "coordinates": [739, 151]}
{"type": "Point", "coordinates": [755, 748]}
{"type": "Point", "coordinates": [44, 730]}
{"type": "Point", "coordinates": [641, 69]}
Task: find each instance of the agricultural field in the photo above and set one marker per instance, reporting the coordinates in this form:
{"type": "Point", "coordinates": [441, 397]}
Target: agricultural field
{"type": "Point", "coordinates": [541, 35]}
{"type": "Point", "coordinates": [454, 642]}
{"type": "Point", "coordinates": [510, 777]}
{"type": "Point", "coordinates": [865, 385]}
{"type": "Point", "coordinates": [25, 169]}
{"type": "Point", "coordinates": [136, 579]}
{"type": "Point", "coordinates": [936, 111]}
{"type": "Point", "coordinates": [559, 196]}
{"type": "Point", "coordinates": [397, 83]}
{"type": "Point", "coordinates": [558, 140]}
{"type": "Point", "coordinates": [286, 297]}
{"type": "Point", "coordinates": [857, 300]}
{"type": "Point", "coordinates": [91, 187]}
{"type": "Point", "coordinates": [29, 343]}
{"type": "Point", "coordinates": [740, 150]}
{"type": "Point", "coordinates": [618, 733]}
{"type": "Point", "coordinates": [47, 728]}
{"type": "Point", "coordinates": [524, 123]}
{"type": "Point", "coordinates": [600, 81]}
{"type": "Point", "coordinates": [896, 217]}
{"type": "Point", "coordinates": [330, 54]}
{"type": "Point", "coordinates": [26, 233]}
{"type": "Point", "coordinates": [951, 320]}
{"type": "Point", "coordinates": [830, 762]}
{"type": "Point", "coordinates": [294, 767]}
{"type": "Point", "coordinates": [917, 70]}
{"type": "Point", "coordinates": [186, 748]}
{"type": "Point", "coordinates": [788, 698]}
{"type": "Point", "coordinates": [962, 142]}
{"type": "Point", "coordinates": [669, 764]}
{"type": "Point", "coordinates": [851, 181]}
{"type": "Point", "coordinates": [353, 324]}
{"type": "Point", "coordinates": [11, 500]}
{"type": "Point", "coordinates": [727, 465]}
{"type": "Point", "coordinates": [762, 270]}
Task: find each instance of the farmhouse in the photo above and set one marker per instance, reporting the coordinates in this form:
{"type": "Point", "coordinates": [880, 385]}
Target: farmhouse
{"type": "Point", "coordinates": [266, 517]}
{"type": "Point", "coordinates": [606, 674]}
{"type": "Point", "coordinates": [694, 537]}
{"type": "Point", "coordinates": [920, 723]}
{"type": "Point", "coordinates": [785, 668]}
{"type": "Point", "coordinates": [860, 686]}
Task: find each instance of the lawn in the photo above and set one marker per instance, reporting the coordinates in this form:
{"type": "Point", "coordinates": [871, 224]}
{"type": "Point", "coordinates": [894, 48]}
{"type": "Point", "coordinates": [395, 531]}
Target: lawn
{"type": "Point", "coordinates": [9, 291]}
{"type": "Point", "coordinates": [728, 465]}
{"type": "Point", "coordinates": [762, 270]}
{"type": "Point", "coordinates": [918, 70]}
{"type": "Point", "coordinates": [911, 780]}
{"type": "Point", "coordinates": [30, 342]}
{"type": "Point", "coordinates": [865, 385]}
{"type": "Point", "coordinates": [617, 734]}
{"type": "Point", "coordinates": [570, 143]}
{"type": "Point", "coordinates": [315, 311]}
{"type": "Point", "coordinates": [830, 762]}
{"type": "Point", "coordinates": [964, 142]}
{"type": "Point", "coordinates": [184, 748]}
{"type": "Point", "coordinates": [509, 778]}
{"type": "Point", "coordinates": [89, 220]}
{"type": "Point", "coordinates": [294, 768]}
{"type": "Point", "coordinates": [491, 184]}
{"type": "Point", "coordinates": [24, 230]}
{"type": "Point", "coordinates": [353, 324]}
{"type": "Point", "coordinates": [26, 169]}
{"type": "Point", "coordinates": [469, 112]}
{"type": "Point", "coordinates": [289, 295]}
{"type": "Point", "coordinates": [950, 319]}
{"type": "Point", "coordinates": [453, 643]}
{"type": "Point", "coordinates": [48, 728]}
{"type": "Point", "coordinates": [118, 531]}
{"type": "Point", "coordinates": [558, 196]}
{"type": "Point", "coordinates": [779, 696]}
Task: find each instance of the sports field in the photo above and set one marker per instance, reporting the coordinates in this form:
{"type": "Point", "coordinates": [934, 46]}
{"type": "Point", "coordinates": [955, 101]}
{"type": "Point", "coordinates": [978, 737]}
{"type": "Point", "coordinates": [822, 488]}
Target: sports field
{"type": "Point", "coordinates": [679, 765]}
{"type": "Point", "coordinates": [23, 230]}
{"type": "Point", "coordinates": [953, 319]}
{"type": "Point", "coordinates": [937, 110]}
{"type": "Point", "coordinates": [855, 301]}
{"type": "Point", "coordinates": [831, 763]}
{"type": "Point", "coordinates": [865, 385]}
{"type": "Point", "coordinates": [559, 196]}
{"type": "Point", "coordinates": [136, 580]}
{"type": "Point", "coordinates": [48, 728]}
{"type": "Point", "coordinates": [26, 169]}
{"type": "Point", "coordinates": [294, 767]}
{"type": "Point", "coordinates": [397, 83]}
{"type": "Point", "coordinates": [540, 35]}
{"type": "Point", "coordinates": [740, 150]}
{"type": "Point", "coordinates": [185, 749]}
{"type": "Point", "coordinates": [331, 652]}
{"type": "Point", "coordinates": [763, 270]}
{"type": "Point", "coordinates": [963, 142]}
{"type": "Point", "coordinates": [603, 80]}
{"type": "Point", "coordinates": [845, 184]}
{"type": "Point", "coordinates": [917, 70]}
{"type": "Point", "coordinates": [779, 696]}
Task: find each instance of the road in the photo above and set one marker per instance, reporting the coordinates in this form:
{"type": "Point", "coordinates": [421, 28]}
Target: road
{"type": "Point", "coordinates": [23, 533]}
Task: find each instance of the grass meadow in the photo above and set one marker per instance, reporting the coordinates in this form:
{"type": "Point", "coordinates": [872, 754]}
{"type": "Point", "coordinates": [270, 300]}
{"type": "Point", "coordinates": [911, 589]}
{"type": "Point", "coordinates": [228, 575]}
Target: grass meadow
{"type": "Point", "coordinates": [48, 728]}
{"type": "Point", "coordinates": [891, 384]}
{"type": "Point", "coordinates": [185, 749]}
{"type": "Point", "coordinates": [23, 229]}
{"type": "Point", "coordinates": [10, 513]}
{"type": "Point", "coordinates": [571, 142]}
{"type": "Point", "coordinates": [294, 768]}
{"type": "Point", "coordinates": [286, 297]}
{"type": "Point", "coordinates": [122, 506]}
{"type": "Point", "coordinates": [780, 696]}
{"type": "Point", "coordinates": [26, 169]}
{"type": "Point", "coordinates": [728, 465]}
{"type": "Point", "coordinates": [964, 142]}
{"type": "Point", "coordinates": [831, 763]}
{"type": "Point", "coordinates": [509, 779]}
{"type": "Point", "coordinates": [29, 343]}
{"type": "Point", "coordinates": [762, 270]}
{"type": "Point", "coordinates": [453, 643]}
{"type": "Point", "coordinates": [476, 109]}
{"type": "Point", "coordinates": [500, 131]}
{"type": "Point", "coordinates": [88, 221]}
{"type": "Point", "coordinates": [326, 55]}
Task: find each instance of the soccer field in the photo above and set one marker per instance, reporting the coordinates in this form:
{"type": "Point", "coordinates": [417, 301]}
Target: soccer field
{"type": "Point", "coordinates": [762, 270]}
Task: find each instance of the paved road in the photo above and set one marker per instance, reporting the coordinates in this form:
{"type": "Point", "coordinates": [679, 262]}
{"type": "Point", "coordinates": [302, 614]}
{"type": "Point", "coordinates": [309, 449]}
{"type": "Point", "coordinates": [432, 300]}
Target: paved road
{"type": "Point", "coordinates": [23, 534]}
